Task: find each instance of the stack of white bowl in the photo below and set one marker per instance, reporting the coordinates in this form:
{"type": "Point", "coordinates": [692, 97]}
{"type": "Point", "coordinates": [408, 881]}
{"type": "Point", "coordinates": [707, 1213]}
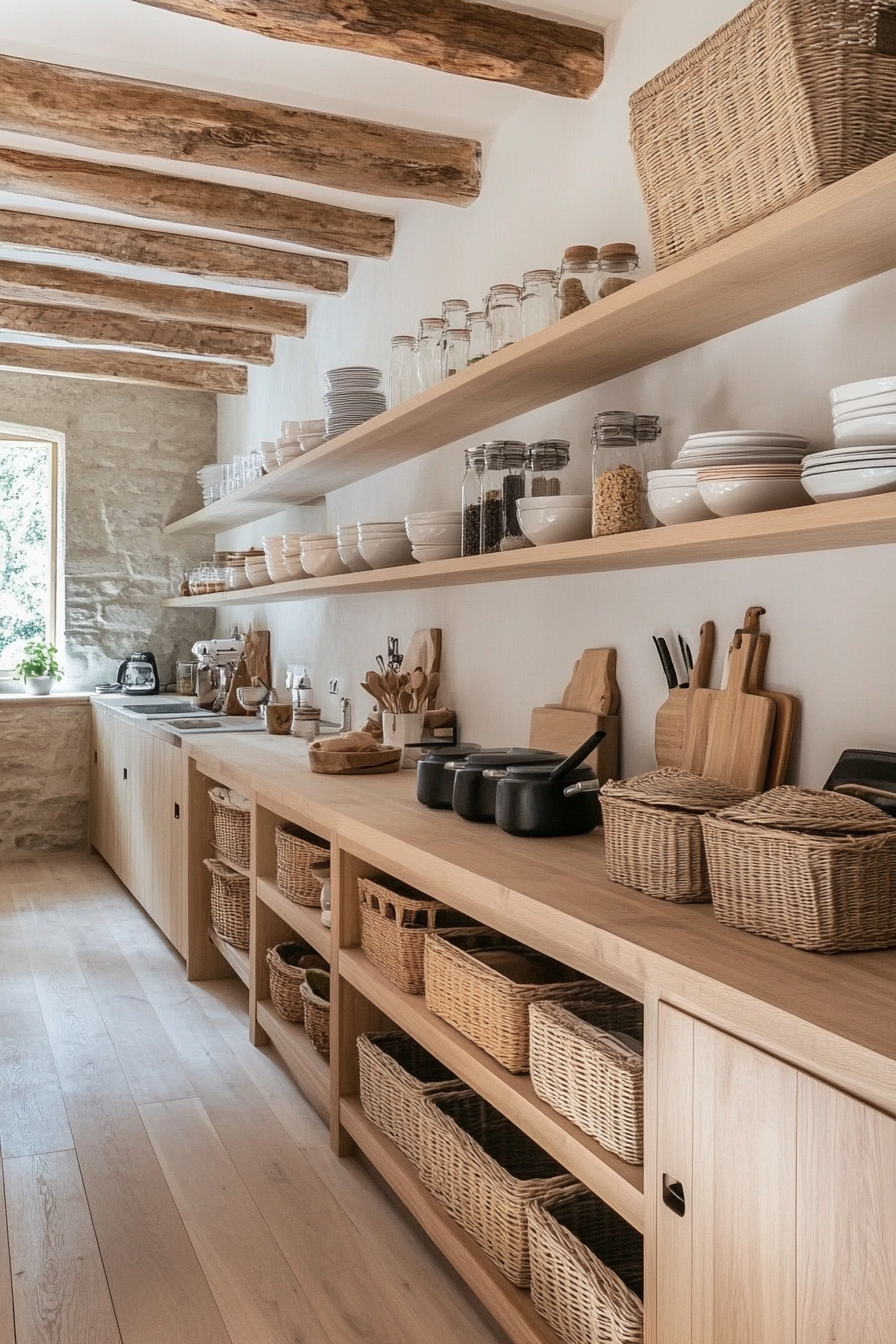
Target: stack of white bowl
{"type": "Point", "coordinates": [673, 497]}
{"type": "Point", "coordinates": [739, 471]}
{"type": "Point", "coordinates": [434, 535]}
{"type": "Point", "coordinates": [320, 555]}
{"type": "Point", "coordinates": [292, 555]}
{"type": "Point", "coordinates": [349, 552]}
{"type": "Point", "coordinates": [352, 397]}
{"type": "Point", "coordinates": [257, 569]}
{"type": "Point", "coordinates": [268, 449]}
{"type": "Point", "coordinates": [384, 545]}
{"type": "Point", "coordinates": [273, 559]}
{"type": "Point", "coordinates": [547, 519]}
{"type": "Point", "coordinates": [297, 437]}
{"type": "Point", "coordinates": [864, 459]}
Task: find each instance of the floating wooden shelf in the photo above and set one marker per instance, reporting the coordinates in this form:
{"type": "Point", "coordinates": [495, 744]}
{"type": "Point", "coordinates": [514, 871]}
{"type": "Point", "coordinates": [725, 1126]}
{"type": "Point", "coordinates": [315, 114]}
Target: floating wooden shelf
{"type": "Point", "coordinates": [303, 919]}
{"type": "Point", "coordinates": [839, 236]}
{"type": "Point", "coordinates": [310, 1070]}
{"type": "Point", "coordinates": [817, 527]}
{"type": "Point", "coordinates": [238, 959]}
{"type": "Point", "coordinates": [618, 1183]}
{"type": "Point", "coordinates": [511, 1307]}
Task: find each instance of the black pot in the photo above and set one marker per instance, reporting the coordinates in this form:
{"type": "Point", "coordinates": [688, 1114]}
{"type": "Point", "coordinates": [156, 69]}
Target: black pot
{"type": "Point", "coordinates": [535, 800]}
{"type": "Point", "coordinates": [434, 782]}
{"type": "Point", "coordinates": [473, 796]}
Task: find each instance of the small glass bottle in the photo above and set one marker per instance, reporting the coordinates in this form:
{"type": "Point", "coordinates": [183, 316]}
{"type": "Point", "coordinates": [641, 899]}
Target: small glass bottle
{"type": "Point", "coordinates": [454, 313]}
{"type": "Point", "coordinates": [478, 329]}
{"type": "Point", "coordinates": [429, 351]}
{"type": "Point", "coordinates": [502, 313]}
{"type": "Point", "coordinates": [455, 347]}
{"type": "Point", "coordinates": [547, 464]}
{"type": "Point", "coordinates": [619, 268]}
{"type": "Point", "coordinates": [403, 381]}
{"type": "Point", "coordinates": [579, 278]}
{"type": "Point", "coordinates": [619, 491]}
{"type": "Point", "coordinates": [471, 500]}
{"type": "Point", "coordinates": [538, 301]}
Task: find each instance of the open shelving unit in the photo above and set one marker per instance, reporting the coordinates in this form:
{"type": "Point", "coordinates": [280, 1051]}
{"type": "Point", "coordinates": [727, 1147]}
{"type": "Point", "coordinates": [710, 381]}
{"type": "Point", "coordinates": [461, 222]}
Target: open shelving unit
{"type": "Point", "coordinates": [234, 956]}
{"type": "Point", "coordinates": [310, 1070]}
{"type": "Point", "coordinates": [302, 919]}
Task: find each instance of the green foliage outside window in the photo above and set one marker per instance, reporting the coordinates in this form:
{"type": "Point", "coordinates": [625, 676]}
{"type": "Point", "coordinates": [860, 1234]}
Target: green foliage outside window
{"type": "Point", "coordinates": [24, 547]}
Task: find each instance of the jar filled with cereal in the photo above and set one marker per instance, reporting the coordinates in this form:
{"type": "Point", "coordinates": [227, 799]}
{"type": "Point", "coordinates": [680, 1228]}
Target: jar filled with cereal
{"type": "Point", "coordinates": [619, 499]}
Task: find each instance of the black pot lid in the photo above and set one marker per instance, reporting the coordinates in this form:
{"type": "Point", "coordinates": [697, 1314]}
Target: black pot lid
{"type": "Point", "coordinates": [485, 760]}
{"type": "Point", "coordinates": [449, 753]}
{"type": "Point", "coordinates": [535, 772]}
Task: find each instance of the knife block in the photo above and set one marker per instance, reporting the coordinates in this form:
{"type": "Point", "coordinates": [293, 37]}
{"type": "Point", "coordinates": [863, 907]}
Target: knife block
{"type": "Point", "coordinates": [669, 730]}
{"type": "Point", "coordinates": [556, 729]}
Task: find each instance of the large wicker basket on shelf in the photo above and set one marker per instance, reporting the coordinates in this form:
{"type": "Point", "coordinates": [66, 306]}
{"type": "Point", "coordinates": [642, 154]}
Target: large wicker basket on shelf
{"type": "Point", "coordinates": [396, 1076]}
{"type": "Point", "coordinates": [483, 999]}
{"type": "Point", "coordinates": [394, 922]}
{"type": "Point", "coordinates": [229, 904]}
{"type": "Point", "coordinates": [297, 850]}
{"type": "Point", "coordinates": [315, 992]}
{"type": "Point", "coordinates": [287, 976]}
{"type": "Point", "coordinates": [486, 1172]}
{"type": "Point", "coordinates": [587, 1269]}
{"type": "Point", "coordinates": [787, 97]}
{"type": "Point", "coordinates": [593, 1077]}
{"type": "Point", "coordinates": [232, 827]}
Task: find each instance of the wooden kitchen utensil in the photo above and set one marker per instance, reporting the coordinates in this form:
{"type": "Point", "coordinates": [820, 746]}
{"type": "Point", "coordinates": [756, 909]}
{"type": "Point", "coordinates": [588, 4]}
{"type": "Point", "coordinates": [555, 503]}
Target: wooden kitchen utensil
{"type": "Point", "coordinates": [425, 651]}
{"type": "Point", "coordinates": [786, 706]}
{"type": "Point", "coordinates": [590, 702]}
{"type": "Point", "coordinates": [672, 715]}
{"type": "Point", "coordinates": [736, 725]}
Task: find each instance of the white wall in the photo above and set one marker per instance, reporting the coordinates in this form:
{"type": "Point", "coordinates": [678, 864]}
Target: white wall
{"type": "Point", "coordinates": [556, 173]}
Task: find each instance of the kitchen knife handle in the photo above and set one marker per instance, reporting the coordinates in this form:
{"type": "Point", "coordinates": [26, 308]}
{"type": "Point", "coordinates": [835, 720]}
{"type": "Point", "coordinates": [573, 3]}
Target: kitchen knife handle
{"type": "Point", "coordinates": [662, 649]}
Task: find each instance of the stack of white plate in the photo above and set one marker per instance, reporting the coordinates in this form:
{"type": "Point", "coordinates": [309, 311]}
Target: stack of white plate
{"type": "Point", "coordinates": [384, 544]}
{"type": "Point", "coordinates": [352, 397]}
{"type": "Point", "coordinates": [746, 470]}
{"type": "Point", "coordinates": [864, 413]}
{"type": "Point", "coordinates": [842, 473]}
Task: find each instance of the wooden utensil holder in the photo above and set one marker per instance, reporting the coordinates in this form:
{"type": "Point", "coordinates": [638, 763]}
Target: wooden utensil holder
{"type": "Point", "coordinates": [556, 729]}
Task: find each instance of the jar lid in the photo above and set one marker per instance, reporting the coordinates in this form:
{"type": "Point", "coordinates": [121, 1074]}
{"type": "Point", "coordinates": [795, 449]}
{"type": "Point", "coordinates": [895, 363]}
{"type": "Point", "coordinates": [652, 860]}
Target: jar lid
{"type": "Point", "coordinates": [431, 323]}
{"type": "Point", "coordinates": [475, 457]}
{"type": "Point", "coordinates": [397, 340]}
{"type": "Point", "coordinates": [475, 317]}
{"type": "Point", "coordinates": [581, 252]}
{"type": "Point", "coordinates": [547, 455]}
{"type": "Point", "coordinates": [504, 443]}
{"type": "Point", "coordinates": [538, 275]}
{"type": "Point", "coordinates": [504, 289]}
{"type": "Point", "coordinates": [618, 250]}
{"type": "Point", "coordinates": [455, 303]}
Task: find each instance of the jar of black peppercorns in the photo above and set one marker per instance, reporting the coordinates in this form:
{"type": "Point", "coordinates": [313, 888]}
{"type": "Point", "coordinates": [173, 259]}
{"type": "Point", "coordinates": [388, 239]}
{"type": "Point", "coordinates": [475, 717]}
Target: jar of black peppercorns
{"type": "Point", "coordinates": [471, 500]}
{"type": "Point", "coordinates": [503, 483]}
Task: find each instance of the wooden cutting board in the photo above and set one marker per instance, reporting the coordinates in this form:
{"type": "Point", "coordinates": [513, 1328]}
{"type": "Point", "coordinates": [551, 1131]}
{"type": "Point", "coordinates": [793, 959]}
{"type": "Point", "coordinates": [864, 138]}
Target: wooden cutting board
{"type": "Point", "coordinates": [424, 650]}
{"type": "Point", "coordinates": [735, 724]}
{"type": "Point", "coordinates": [593, 688]}
{"type": "Point", "coordinates": [670, 726]}
{"type": "Point", "coordinates": [562, 730]}
{"type": "Point", "coordinates": [786, 711]}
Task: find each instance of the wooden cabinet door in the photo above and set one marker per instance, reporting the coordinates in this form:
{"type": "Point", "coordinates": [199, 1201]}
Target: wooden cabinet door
{"type": "Point", "coordinates": [168, 844]}
{"type": "Point", "coordinates": [102, 784]}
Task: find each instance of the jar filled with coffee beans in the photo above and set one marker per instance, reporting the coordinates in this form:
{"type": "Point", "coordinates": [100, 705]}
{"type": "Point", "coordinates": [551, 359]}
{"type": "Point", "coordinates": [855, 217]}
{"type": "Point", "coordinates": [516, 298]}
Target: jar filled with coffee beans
{"type": "Point", "coordinates": [471, 500]}
{"type": "Point", "coordinates": [619, 499]}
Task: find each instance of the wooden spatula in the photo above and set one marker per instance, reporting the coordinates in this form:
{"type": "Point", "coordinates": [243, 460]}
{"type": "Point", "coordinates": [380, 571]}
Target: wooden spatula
{"type": "Point", "coordinates": [739, 724]}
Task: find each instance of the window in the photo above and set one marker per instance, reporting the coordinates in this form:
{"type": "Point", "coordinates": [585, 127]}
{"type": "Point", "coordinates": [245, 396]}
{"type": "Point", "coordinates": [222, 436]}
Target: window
{"type": "Point", "coordinates": [28, 544]}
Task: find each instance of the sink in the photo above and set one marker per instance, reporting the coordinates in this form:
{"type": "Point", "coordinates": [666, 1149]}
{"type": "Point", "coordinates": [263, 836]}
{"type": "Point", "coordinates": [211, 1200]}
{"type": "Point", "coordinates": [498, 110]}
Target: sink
{"type": "Point", "coordinates": [169, 707]}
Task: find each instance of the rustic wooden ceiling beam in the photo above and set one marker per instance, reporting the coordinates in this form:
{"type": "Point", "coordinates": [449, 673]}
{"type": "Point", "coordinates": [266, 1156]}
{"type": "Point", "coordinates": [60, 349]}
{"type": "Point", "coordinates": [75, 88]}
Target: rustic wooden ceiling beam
{"type": "Point", "coordinates": [455, 36]}
{"type": "Point", "coordinates": [183, 338]}
{"type": "Point", "coordinates": [22, 282]}
{"type": "Point", "coordinates": [184, 200]}
{"type": "Point", "coordinates": [123, 367]}
{"type": "Point", "coordinates": [130, 116]}
{"type": "Point", "coordinates": [237, 263]}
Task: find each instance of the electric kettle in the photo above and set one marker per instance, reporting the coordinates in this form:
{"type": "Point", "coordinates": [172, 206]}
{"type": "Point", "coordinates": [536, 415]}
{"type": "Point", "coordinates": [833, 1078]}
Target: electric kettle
{"type": "Point", "coordinates": [138, 675]}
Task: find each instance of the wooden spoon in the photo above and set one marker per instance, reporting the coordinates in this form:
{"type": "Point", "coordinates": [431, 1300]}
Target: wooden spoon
{"type": "Point", "coordinates": [419, 681]}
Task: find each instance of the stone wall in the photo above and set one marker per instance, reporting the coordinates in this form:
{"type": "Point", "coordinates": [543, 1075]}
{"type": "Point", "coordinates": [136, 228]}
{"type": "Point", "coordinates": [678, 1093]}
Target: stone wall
{"type": "Point", "coordinates": [44, 775]}
{"type": "Point", "coordinates": [131, 458]}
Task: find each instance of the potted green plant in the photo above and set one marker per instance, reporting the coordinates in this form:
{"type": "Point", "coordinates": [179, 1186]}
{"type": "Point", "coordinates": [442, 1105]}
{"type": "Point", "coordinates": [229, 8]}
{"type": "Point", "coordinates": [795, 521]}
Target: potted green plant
{"type": "Point", "coordinates": [39, 668]}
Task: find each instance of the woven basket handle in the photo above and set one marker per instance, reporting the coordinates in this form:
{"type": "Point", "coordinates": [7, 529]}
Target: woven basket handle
{"type": "Point", "coordinates": [865, 791]}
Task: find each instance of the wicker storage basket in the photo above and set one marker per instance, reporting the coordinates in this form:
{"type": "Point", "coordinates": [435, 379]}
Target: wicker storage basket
{"type": "Point", "coordinates": [296, 851]}
{"type": "Point", "coordinates": [594, 1079]}
{"type": "Point", "coordinates": [230, 904]}
{"type": "Point", "coordinates": [394, 924]}
{"type": "Point", "coordinates": [587, 1269]}
{"type": "Point", "coordinates": [486, 1172]}
{"type": "Point", "coordinates": [397, 1075]}
{"type": "Point", "coordinates": [315, 992]}
{"type": "Point", "coordinates": [789, 96]}
{"type": "Point", "coordinates": [233, 828]}
{"type": "Point", "coordinates": [488, 1006]}
{"type": "Point", "coordinates": [287, 978]}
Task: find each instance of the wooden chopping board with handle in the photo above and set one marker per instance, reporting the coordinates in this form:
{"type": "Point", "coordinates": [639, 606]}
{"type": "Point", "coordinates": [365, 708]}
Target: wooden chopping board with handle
{"type": "Point", "coordinates": [424, 650]}
{"type": "Point", "coordinates": [593, 688]}
{"type": "Point", "coordinates": [786, 706]}
{"type": "Point", "coordinates": [737, 726]}
{"type": "Point", "coordinates": [670, 726]}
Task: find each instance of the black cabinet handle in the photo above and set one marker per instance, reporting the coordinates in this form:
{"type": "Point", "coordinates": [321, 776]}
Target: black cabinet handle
{"type": "Point", "coordinates": [673, 1195]}
{"type": "Point", "coordinates": [95, 757]}
{"type": "Point", "coordinates": [177, 811]}
{"type": "Point", "coordinates": [124, 773]}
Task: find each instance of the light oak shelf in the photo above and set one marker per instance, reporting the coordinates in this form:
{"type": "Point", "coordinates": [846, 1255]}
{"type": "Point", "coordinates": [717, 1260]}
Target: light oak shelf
{"type": "Point", "coordinates": [234, 956]}
{"type": "Point", "coordinates": [310, 1070]}
{"type": "Point", "coordinates": [302, 919]}
{"type": "Point", "coordinates": [839, 236]}
{"type": "Point", "coordinates": [870, 521]}
{"type": "Point", "coordinates": [511, 1307]}
{"type": "Point", "coordinates": [618, 1183]}
{"type": "Point", "coordinates": [237, 867]}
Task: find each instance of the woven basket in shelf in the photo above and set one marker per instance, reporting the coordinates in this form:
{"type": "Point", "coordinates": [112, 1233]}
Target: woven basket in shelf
{"type": "Point", "coordinates": [587, 1269]}
{"type": "Point", "coordinates": [233, 830]}
{"type": "Point", "coordinates": [593, 1078]}
{"type": "Point", "coordinates": [297, 850]}
{"type": "Point", "coordinates": [397, 1075]}
{"type": "Point", "coordinates": [786, 98]}
{"type": "Point", "coordinates": [229, 904]}
{"type": "Point", "coordinates": [486, 1172]}
{"type": "Point", "coordinates": [394, 922]}
{"type": "Point", "coordinates": [286, 978]}
{"type": "Point", "coordinates": [491, 1008]}
{"type": "Point", "coordinates": [315, 992]}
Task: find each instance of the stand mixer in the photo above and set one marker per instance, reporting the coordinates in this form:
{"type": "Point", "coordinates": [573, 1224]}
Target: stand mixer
{"type": "Point", "coordinates": [218, 659]}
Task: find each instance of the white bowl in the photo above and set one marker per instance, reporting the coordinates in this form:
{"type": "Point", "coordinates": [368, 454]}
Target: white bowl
{"type": "Point", "coordinates": [312, 538]}
{"type": "Point", "coordinates": [433, 534]}
{"type": "Point", "coordinates": [548, 523]}
{"type": "Point", "coordinates": [732, 496]}
{"type": "Point", "coordinates": [869, 387]}
{"type": "Point", "coordinates": [554, 502]}
{"type": "Point", "coordinates": [436, 516]}
{"type": "Point", "coordinates": [277, 569]}
{"type": "Point", "coordinates": [382, 529]}
{"type": "Point", "coordinates": [294, 568]}
{"type": "Point", "coordinates": [872, 431]}
{"type": "Point", "coordinates": [323, 563]}
{"type": "Point", "coordinates": [844, 484]}
{"type": "Point", "coordinates": [424, 553]}
{"type": "Point", "coordinates": [236, 579]}
{"type": "Point", "coordinates": [677, 503]}
{"type": "Point", "coordinates": [352, 558]}
{"type": "Point", "coordinates": [385, 552]}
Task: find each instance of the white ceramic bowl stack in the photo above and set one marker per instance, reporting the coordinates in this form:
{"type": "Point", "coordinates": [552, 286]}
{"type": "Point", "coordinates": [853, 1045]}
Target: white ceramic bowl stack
{"type": "Point", "coordinates": [745, 470]}
{"type": "Point", "coordinates": [320, 555]}
{"type": "Point", "coordinates": [384, 545]}
{"type": "Point", "coordinates": [298, 437]}
{"type": "Point", "coordinates": [291, 551]}
{"type": "Point", "coordinates": [863, 462]}
{"type": "Point", "coordinates": [547, 519]}
{"type": "Point", "coordinates": [434, 535]}
{"type": "Point", "coordinates": [273, 558]}
{"type": "Point", "coordinates": [352, 397]}
{"type": "Point", "coordinates": [269, 458]}
{"type": "Point", "coordinates": [673, 496]}
{"type": "Point", "coordinates": [349, 553]}
{"type": "Point", "coordinates": [257, 570]}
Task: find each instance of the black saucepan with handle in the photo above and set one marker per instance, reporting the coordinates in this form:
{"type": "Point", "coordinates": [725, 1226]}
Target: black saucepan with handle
{"type": "Point", "coordinates": [541, 800]}
{"type": "Point", "coordinates": [434, 783]}
{"type": "Point", "coordinates": [474, 795]}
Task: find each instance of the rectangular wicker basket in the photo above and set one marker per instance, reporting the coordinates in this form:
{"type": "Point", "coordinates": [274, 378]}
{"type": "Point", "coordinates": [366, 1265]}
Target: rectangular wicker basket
{"type": "Point", "coordinates": [233, 828]}
{"type": "Point", "coordinates": [297, 850]}
{"type": "Point", "coordinates": [286, 981]}
{"type": "Point", "coordinates": [594, 1079]}
{"type": "Point", "coordinates": [397, 1076]}
{"type": "Point", "coordinates": [488, 1007]}
{"type": "Point", "coordinates": [486, 1172]}
{"type": "Point", "coordinates": [587, 1269]}
{"type": "Point", "coordinates": [820, 893]}
{"type": "Point", "coordinates": [787, 97]}
{"type": "Point", "coordinates": [395, 920]}
{"type": "Point", "coordinates": [317, 1010]}
{"type": "Point", "coordinates": [229, 904]}
{"type": "Point", "coordinates": [657, 850]}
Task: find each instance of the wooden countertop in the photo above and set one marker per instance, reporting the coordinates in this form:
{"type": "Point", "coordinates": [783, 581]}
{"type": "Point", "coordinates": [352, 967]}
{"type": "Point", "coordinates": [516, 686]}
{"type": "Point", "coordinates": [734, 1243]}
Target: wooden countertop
{"type": "Point", "coordinates": [834, 1015]}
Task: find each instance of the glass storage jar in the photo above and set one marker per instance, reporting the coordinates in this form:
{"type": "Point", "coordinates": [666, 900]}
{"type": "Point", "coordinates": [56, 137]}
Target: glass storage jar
{"type": "Point", "coordinates": [619, 267]}
{"type": "Point", "coordinates": [429, 351]}
{"type": "Point", "coordinates": [513, 487]}
{"type": "Point", "coordinates": [455, 347]}
{"type": "Point", "coordinates": [471, 500]}
{"type": "Point", "coordinates": [403, 382]}
{"type": "Point", "coordinates": [454, 313]}
{"type": "Point", "coordinates": [503, 483]}
{"type": "Point", "coordinates": [478, 329]}
{"type": "Point", "coordinates": [579, 278]}
{"type": "Point", "coordinates": [547, 468]}
{"type": "Point", "coordinates": [502, 315]}
{"type": "Point", "coordinates": [538, 301]}
{"type": "Point", "coordinates": [619, 489]}
{"type": "Point", "coordinates": [647, 432]}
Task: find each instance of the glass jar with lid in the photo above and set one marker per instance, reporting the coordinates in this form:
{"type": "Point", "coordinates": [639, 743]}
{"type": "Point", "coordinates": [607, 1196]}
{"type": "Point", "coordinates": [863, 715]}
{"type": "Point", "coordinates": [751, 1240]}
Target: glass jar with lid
{"type": "Point", "coordinates": [471, 500]}
{"type": "Point", "coordinates": [429, 351]}
{"type": "Point", "coordinates": [547, 468]}
{"type": "Point", "coordinates": [502, 315]}
{"type": "Point", "coordinates": [455, 347]}
{"type": "Point", "coordinates": [579, 278]}
{"type": "Point", "coordinates": [619, 490]}
{"type": "Point", "coordinates": [503, 483]}
{"type": "Point", "coordinates": [478, 329]}
{"type": "Point", "coordinates": [538, 301]}
{"type": "Point", "coordinates": [403, 381]}
{"type": "Point", "coordinates": [513, 487]}
{"type": "Point", "coordinates": [619, 267]}
{"type": "Point", "coordinates": [454, 313]}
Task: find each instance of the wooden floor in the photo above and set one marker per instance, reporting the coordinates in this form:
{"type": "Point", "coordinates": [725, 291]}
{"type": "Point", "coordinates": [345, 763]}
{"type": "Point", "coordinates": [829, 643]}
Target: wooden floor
{"type": "Point", "coordinates": [165, 1182]}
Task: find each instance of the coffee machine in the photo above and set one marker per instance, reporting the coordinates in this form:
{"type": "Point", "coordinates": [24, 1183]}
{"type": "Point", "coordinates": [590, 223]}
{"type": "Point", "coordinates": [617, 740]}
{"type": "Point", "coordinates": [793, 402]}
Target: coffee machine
{"type": "Point", "coordinates": [218, 659]}
{"type": "Point", "coordinates": [138, 675]}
